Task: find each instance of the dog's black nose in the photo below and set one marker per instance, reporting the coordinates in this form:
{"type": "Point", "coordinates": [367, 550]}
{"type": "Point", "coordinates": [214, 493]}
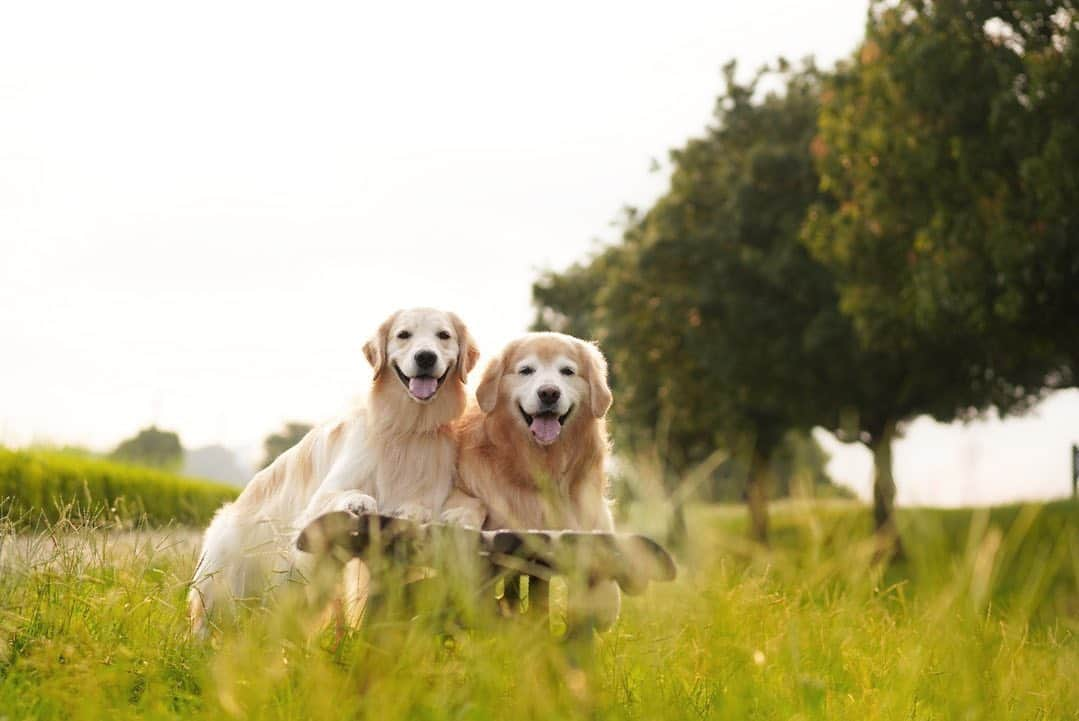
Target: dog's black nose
{"type": "Point", "coordinates": [425, 359]}
{"type": "Point", "coordinates": [549, 395]}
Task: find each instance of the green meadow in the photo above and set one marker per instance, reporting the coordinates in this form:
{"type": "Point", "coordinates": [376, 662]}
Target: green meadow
{"type": "Point", "coordinates": [980, 620]}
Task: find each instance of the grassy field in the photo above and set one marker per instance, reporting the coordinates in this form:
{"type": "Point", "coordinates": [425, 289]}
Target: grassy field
{"type": "Point", "coordinates": [45, 484]}
{"type": "Point", "coordinates": [980, 622]}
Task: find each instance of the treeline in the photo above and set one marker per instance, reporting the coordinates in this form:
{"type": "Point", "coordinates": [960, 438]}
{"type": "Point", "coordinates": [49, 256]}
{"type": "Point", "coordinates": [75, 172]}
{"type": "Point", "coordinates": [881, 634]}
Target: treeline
{"type": "Point", "coordinates": [47, 485]}
{"type": "Point", "coordinates": [852, 248]}
{"type": "Point", "coordinates": [158, 448]}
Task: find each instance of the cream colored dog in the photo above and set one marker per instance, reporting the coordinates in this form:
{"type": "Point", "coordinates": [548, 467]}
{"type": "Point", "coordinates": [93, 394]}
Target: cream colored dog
{"type": "Point", "coordinates": [396, 456]}
{"type": "Point", "coordinates": [532, 454]}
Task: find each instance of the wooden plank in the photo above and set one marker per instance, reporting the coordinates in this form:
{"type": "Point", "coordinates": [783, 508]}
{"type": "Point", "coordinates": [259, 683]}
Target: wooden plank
{"type": "Point", "coordinates": [632, 560]}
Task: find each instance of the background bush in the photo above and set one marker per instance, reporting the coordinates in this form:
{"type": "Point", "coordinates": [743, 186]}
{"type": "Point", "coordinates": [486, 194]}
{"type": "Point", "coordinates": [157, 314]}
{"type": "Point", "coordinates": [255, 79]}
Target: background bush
{"type": "Point", "coordinates": [42, 484]}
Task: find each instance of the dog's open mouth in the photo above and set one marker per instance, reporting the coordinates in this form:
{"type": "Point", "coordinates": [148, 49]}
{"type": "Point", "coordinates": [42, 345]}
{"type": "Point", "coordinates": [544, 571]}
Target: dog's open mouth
{"type": "Point", "coordinates": [545, 427]}
{"type": "Point", "coordinates": [422, 388]}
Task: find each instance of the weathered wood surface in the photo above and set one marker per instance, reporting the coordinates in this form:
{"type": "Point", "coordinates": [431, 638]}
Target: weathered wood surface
{"type": "Point", "coordinates": [631, 560]}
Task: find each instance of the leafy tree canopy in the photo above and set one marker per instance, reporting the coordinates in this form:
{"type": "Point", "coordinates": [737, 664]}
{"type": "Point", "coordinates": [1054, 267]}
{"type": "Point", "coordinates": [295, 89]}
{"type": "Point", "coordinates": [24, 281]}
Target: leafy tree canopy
{"type": "Point", "coordinates": [721, 329]}
{"type": "Point", "coordinates": [152, 447]}
{"type": "Point", "coordinates": [949, 150]}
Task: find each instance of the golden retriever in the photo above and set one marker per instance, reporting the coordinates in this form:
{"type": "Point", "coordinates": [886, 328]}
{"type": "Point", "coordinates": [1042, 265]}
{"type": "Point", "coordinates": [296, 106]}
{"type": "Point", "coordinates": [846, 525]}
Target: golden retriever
{"type": "Point", "coordinates": [396, 457]}
{"type": "Point", "coordinates": [531, 454]}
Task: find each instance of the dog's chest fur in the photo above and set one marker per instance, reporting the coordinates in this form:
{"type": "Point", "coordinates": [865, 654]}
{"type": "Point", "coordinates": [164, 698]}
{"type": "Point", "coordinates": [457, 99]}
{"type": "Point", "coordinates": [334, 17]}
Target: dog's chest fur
{"type": "Point", "coordinates": [416, 469]}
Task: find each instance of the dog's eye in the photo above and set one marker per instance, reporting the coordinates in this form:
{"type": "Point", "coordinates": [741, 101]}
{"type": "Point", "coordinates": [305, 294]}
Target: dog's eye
{"type": "Point", "coordinates": [404, 335]}
{"type": "Point", "coordinates": [567, 371]}
{"type": "Point", "coordinates": [444, 334]}
{"type": "Point", "coordinates": [527, 370]}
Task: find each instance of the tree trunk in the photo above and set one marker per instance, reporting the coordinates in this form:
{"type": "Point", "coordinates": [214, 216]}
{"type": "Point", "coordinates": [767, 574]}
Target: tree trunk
{"type": "Point", "coordinates": [757, 497]}
{"type": "Point", "coordinates": [888, 541]}
{"type": "Point", "coordinates": [677, 533]}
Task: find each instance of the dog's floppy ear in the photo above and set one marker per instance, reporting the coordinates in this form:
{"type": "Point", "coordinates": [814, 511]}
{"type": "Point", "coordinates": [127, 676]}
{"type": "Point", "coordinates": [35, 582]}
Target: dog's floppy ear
{"type": "Point", "coordinates": [599, 392]}
{"type": "Point", "coordinates": [375, 347]}
{"type": "Point", "coordinates": [487, 392]}
{"type": "Point", "coordinates": [467, 352]}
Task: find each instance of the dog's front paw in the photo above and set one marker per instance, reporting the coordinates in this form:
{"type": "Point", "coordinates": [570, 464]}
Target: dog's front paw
{"type": "Point", "coordinates": [414, 512]}
{"type": "Point", "coordinates": [356, 503]}
{"type": "Point", "coordinates": [461, 516]}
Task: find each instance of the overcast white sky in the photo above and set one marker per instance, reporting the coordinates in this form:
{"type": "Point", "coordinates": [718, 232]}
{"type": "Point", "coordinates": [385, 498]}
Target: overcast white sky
{"type": "Point", "coordinates": [206, 207]}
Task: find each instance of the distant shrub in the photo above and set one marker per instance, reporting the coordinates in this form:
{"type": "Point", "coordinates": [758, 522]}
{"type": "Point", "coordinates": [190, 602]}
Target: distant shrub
{"type": "Point", "coordinates": [151, 447]}
{"type": "Point", "coordinates": [40, 484]}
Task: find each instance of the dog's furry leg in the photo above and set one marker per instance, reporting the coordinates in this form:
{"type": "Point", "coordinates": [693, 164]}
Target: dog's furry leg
{"type": "Point", "coordinates": [221, 574]}
{"type": "Point", "coordinates": [463, 510]}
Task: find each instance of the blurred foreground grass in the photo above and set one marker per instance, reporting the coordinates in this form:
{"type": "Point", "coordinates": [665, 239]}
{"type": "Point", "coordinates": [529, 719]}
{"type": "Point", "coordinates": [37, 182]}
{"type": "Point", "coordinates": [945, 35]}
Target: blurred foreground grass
{"type": "Point", "coordinates": [980, 622]}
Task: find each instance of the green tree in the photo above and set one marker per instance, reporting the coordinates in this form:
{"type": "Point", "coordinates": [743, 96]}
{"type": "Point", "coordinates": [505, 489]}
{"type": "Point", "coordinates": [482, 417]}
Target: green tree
{"type": "Point", "coordinates": [953, 243]}
{"type": "Point", "coordinates": [721, 329]}
{"type": "Point", "coordinates": [151, 447]}
{"type": "Point", "coordinates": [277, 443]}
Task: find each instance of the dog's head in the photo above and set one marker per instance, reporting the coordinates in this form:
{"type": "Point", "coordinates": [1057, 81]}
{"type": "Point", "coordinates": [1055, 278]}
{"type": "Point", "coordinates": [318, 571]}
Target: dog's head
{"type": "Point", "coordinates": [546, 382]}
{"type": "Point", "coordinates": [422, 348]}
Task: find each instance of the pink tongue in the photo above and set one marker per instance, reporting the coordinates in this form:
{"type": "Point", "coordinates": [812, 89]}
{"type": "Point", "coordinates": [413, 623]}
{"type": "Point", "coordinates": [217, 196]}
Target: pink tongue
{"type": "Point", "coordinates": [545, 428]}
{"type": "Point", "coordinates": [422, 387]}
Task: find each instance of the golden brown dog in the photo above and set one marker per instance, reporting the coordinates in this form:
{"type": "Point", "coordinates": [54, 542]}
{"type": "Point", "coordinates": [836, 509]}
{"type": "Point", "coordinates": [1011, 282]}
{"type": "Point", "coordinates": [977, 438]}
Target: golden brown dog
{"type": "Point", "coordinates": [531, 454]}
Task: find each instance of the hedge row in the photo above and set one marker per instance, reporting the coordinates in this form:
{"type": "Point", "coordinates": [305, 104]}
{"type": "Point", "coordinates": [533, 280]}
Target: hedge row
{"type": "Point", "coordinates": [42, 484]}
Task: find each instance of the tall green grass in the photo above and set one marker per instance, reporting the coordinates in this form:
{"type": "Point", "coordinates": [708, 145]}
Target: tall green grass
{"type": "Point", "coordinates": [980, 622]}
{"type": "Point", "coordinates": [42, 484]}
